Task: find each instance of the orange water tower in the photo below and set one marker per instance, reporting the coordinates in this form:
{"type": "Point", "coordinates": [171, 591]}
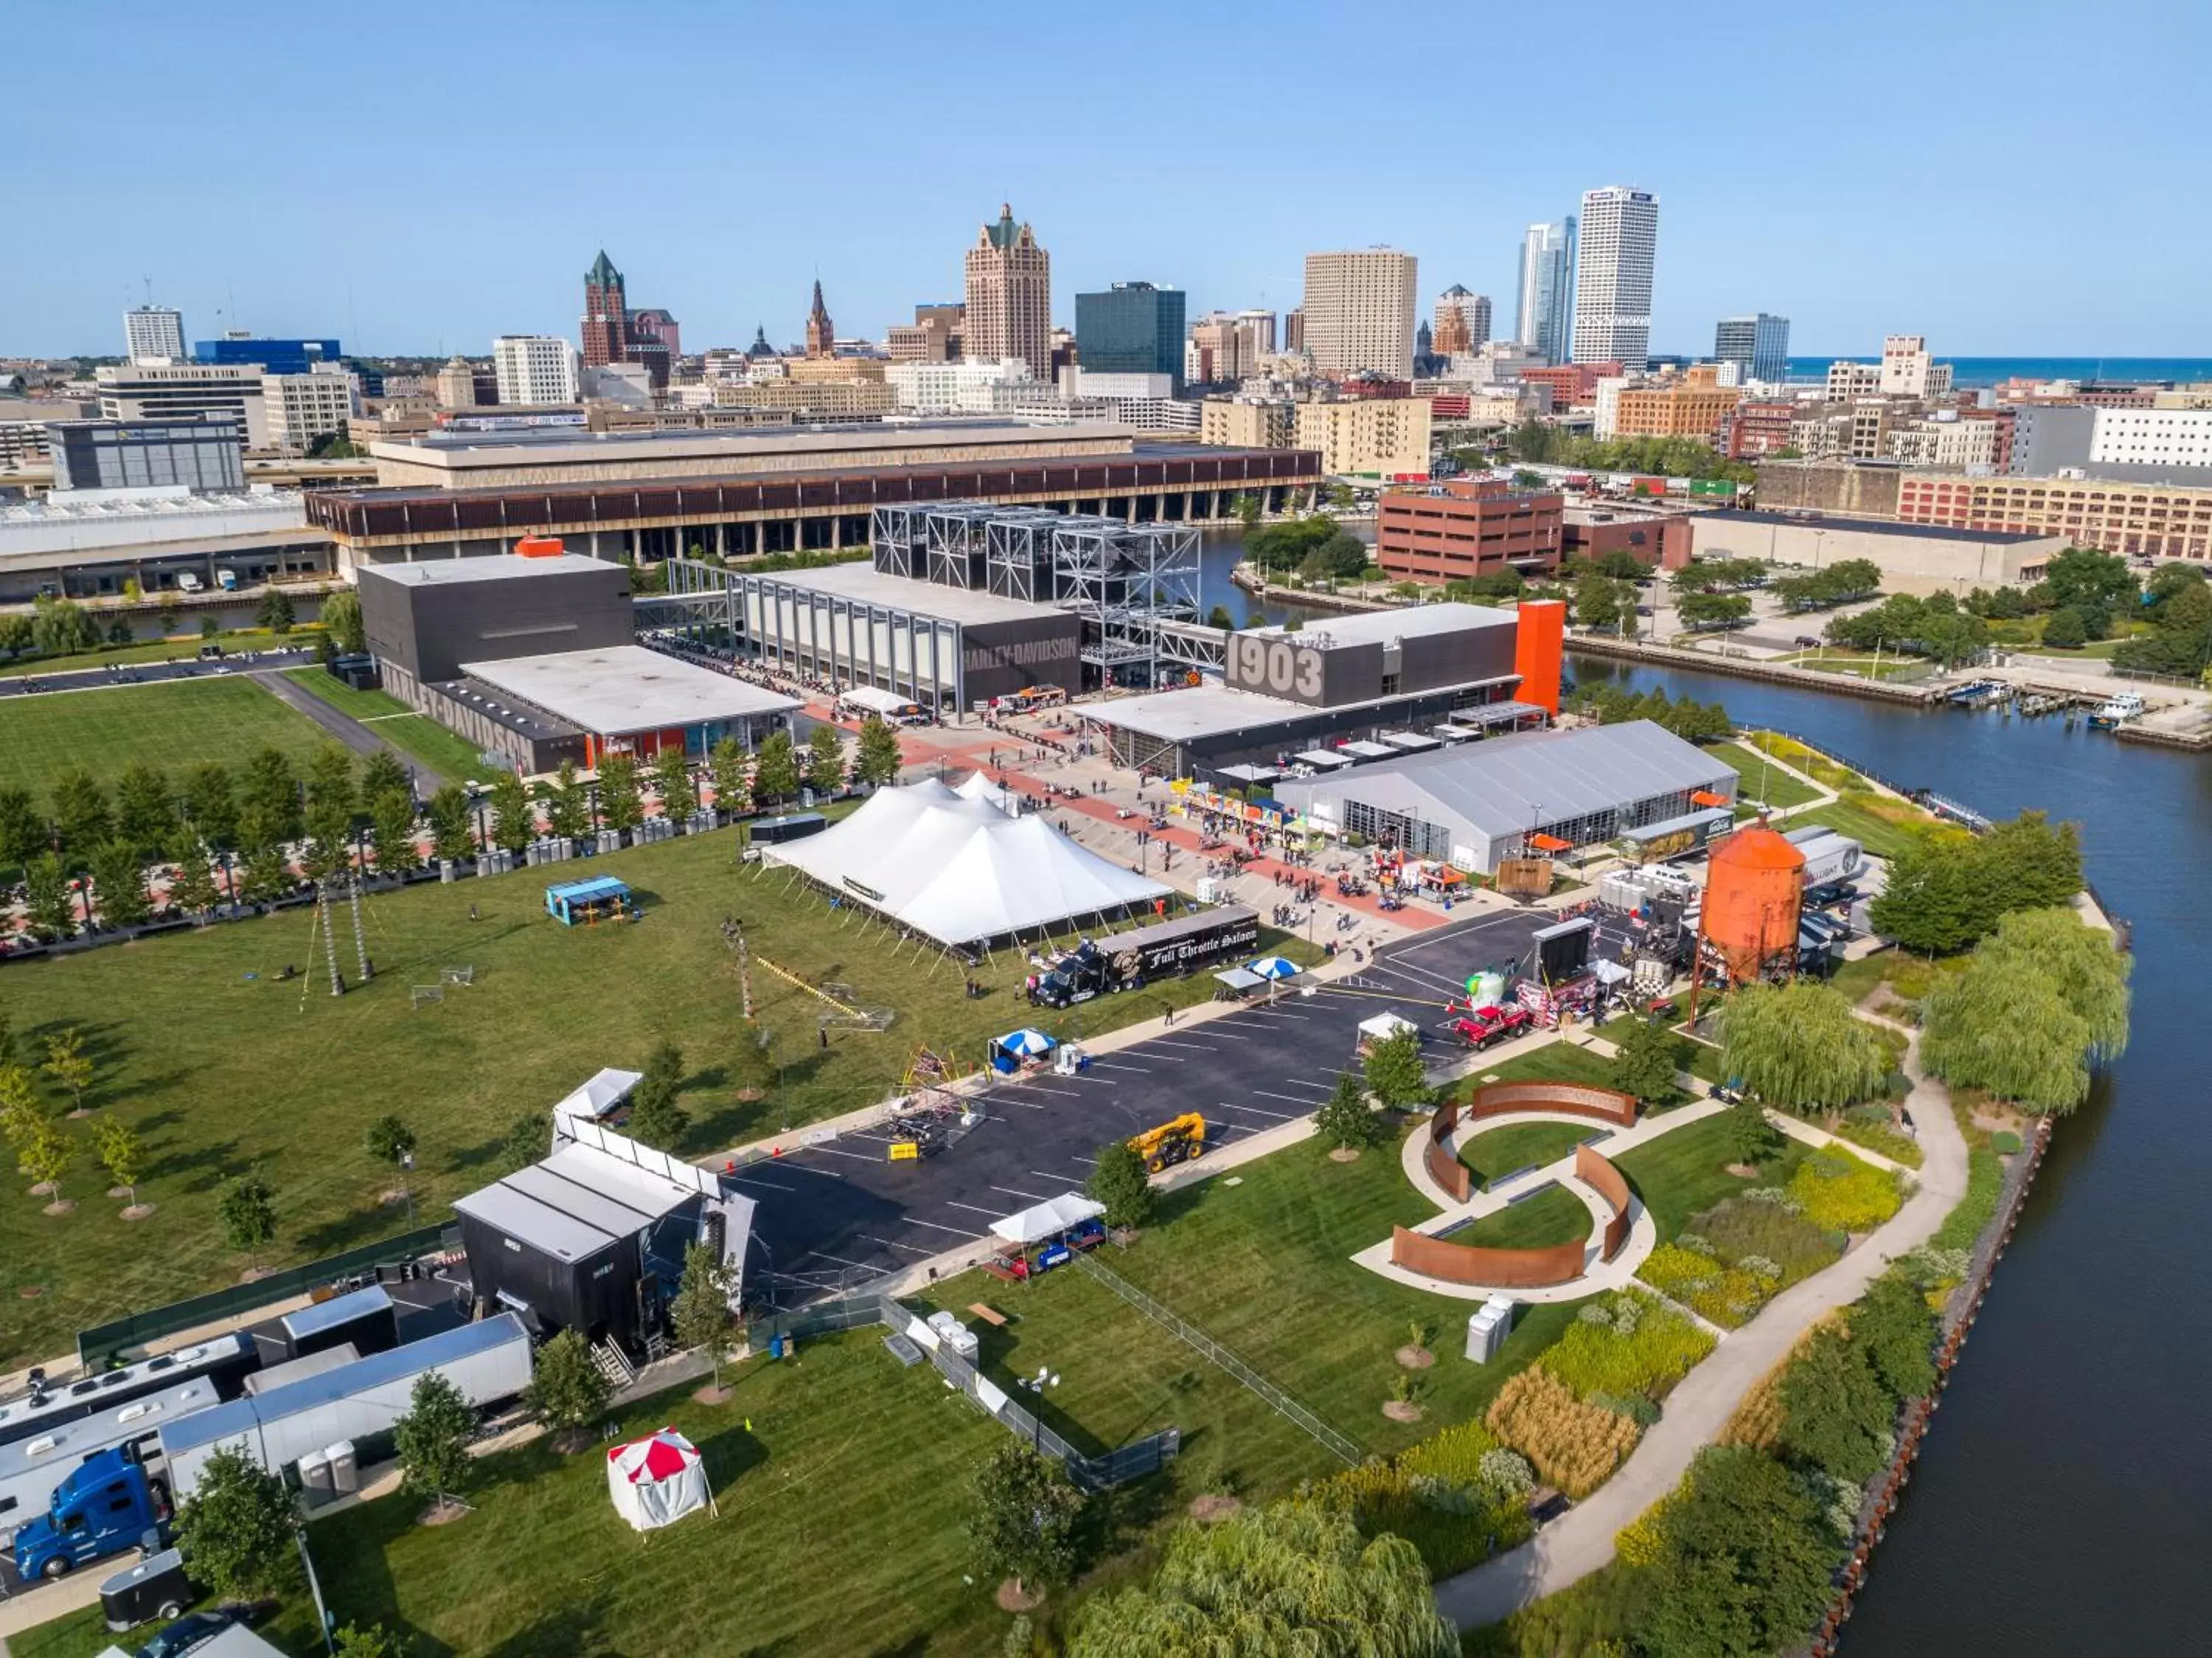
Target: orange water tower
{"type": "Point", "coordinates": [1751, 899]}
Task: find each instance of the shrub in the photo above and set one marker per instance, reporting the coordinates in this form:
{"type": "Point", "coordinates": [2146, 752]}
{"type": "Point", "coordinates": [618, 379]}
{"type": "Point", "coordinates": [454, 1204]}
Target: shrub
{"type": "Point", "coordinates": [1647, 1349]}
{"type": "Point", "coordinates": [1984, 1187]}
{"type": "Point", "coordinates": [1747, 1228]}
{"type": "Point", "coordinates": [2004, 1142]}
{"type": "Point", "coordinates": [1456, 1454]}
{"type": "Point", "coordinates": [1638, 1542]}
{"type": "Point", "coordinates": [1457, 1497]}
{"type": "Point", "coordinates": [1573, 1445]}
{"type": "Point", "coordinates": [1637, 1408]}
{"type": "Point", "coordinates": [1725, 1294]}
{"type": "Point", "coordinates": [1836, 1191]}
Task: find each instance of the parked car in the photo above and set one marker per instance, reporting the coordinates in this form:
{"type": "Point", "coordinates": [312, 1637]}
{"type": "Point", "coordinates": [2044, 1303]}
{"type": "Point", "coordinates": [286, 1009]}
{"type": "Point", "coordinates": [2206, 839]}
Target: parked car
{"type": "Point", "coordinates": [189, 1634]}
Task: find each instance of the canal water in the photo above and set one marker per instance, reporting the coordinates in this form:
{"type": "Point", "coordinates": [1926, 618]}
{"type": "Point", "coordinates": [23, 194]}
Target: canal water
{"type": "Point", "coordinates": [2062, 1501]}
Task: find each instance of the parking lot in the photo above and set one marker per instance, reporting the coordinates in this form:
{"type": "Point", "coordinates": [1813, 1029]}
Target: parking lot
{"type": "Point", "coordinates": [833, 1214]}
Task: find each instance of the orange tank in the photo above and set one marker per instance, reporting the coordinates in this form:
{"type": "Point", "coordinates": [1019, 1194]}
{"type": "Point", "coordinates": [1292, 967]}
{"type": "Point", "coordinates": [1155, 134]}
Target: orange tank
{"type": "Point", "coordinates": [1752, 899]}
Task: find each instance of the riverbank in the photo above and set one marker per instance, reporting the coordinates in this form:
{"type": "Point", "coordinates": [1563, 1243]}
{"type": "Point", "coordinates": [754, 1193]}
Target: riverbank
{"type": "Point", "coordinates": [1317, 598]}
{"type": "Point", "coordinates": [1748, 668]}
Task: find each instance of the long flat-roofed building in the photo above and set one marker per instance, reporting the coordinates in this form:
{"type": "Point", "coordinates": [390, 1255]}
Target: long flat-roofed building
{"type": "Point", "coordinates": [1475, 804]}
{"type": "Point", "coordinates": [87, 544]}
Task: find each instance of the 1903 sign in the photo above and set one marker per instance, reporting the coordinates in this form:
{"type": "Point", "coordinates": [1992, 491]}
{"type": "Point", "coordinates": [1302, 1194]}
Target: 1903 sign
{"type": "Point", "coordinates": [1274, 666]}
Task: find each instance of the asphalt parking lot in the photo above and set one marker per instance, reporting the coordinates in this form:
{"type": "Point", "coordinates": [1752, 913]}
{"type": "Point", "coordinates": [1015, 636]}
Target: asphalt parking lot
{"type": "Point", "coordinates": [834, 1215]}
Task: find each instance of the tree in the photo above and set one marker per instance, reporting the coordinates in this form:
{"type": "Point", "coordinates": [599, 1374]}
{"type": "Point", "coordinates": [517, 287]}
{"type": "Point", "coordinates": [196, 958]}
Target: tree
{"type": "Point", "coordinates": [342, 622]}
{"type": "Point", "coordinates": [145, 810]}
{"type": "Point", "coordinates": [1023, 1523]}
{"type": "Point", "coordinates": [878, 761]}
{"type": "Point", "coordinates": [1597, 603]}
{"type": "Point", "coordinates": [1121, 1183]}
{"type": "Point", "coordinates": [432, 1440]}
{"type": "Point", "coordinates": [370, 1641]}
{"type": "Point", "coordinates": [1895, 1325]}
{"type": "Point", "coordinates": [81, 819]}
{"type": "Point", "coordinates": [1704, 610]}
{"type": "Point", "coordinates": [192, 888]}
{"type": "Point", "coordinates": [776, 768]}
{"type": "Point", "coordinates": [269, 796]}
{"type": "Point", "coordinates": [2081, 578]}
{"type": "Point", "coordinates": [622, 802]}
{"type": "Point", "coordinates": [1295, 1577]}
{"type": "Point", "coordinates": [119, 878]}
{"type": "Point", "coordinates": [528, 1138]}
{"type": "Point", "coordinates": [47, 1155]}
{"type": "Point", "coordinates": [2043, 998]}
{"type": "Point", "coordinates": [326, 652]}
{"type": "Point", "coordinates": [1645, 1058]}
{"type": "Point", "coordinates": [59, 627]}
{"type": "Point", "coordinates": [332, 790]}
{"type": "Point", "coordinates": [47, 890]}
{"type": "Point", "coordinates": [381, 773]}
{"type": "Point", "coordinates": [729, 770]}
{"type": "Point", "coordinates": [825, 760]}
{"type": "Point", "coordinates": [391, 1141]}
{"type": "Point", "coordinates": [1247, 509]}
{"type": "Point", "coordinates": [1220, 616]}
{"type": "Point", "coordinates": [276, 612]}
{"type": "Point", "coordinates": [513, 818]}
{"type": "Point", "coordinates": [448, 812]}
{"type": "Point", "coordinates": [1800, 1047]}
{"type": "Point", "coordinates": [1345, 1123]}
{"type": "Point", "coordinates": [237, 1528]}
{"type": "Point", "coordinates": [568, 1389]}
{"type": "Point", "coordinates": [17, 634]}
{"type": "Point", "coordinates": [392, 812]}
{"type": "Point", "coordinates": [70, 1065]}
{"type": "Point", "coordinates": [265, 876]}
{"type": "Point", "coordinates": [1752, 1139]}
{"type": "Point", "coordinates": [1392, 1070]}
{"type": "Point", "coordinates": [20, 1113]}
{"type": "Point", "coordinates": [700, 1312]}
{"type": "Point", "coordinates": [673, 783]}
{"type": "Point", "coordinates": [210, 804]}
{"type": "Point", "coordinates": [1836, 1414]}
{"type": "Point", "coordinates": [1744, 1561]}
{"type": "Point", "coordinates": [2066, 629]}
{"type": "Point", "coordinates": [657, 1115]}
{"type": "Point", "coordinates": [248, 1210]}
{"type": "Point", "coordinates": [121, 1153]}
{"type": "Point", "coordinates": [1946, 890]}
{"type": "Point", "coordinates": [23, 833]}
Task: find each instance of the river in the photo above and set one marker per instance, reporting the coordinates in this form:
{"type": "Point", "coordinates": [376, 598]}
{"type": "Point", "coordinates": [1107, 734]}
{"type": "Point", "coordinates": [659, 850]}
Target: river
{"type": "Point", "coordinates": [2062, 1501]}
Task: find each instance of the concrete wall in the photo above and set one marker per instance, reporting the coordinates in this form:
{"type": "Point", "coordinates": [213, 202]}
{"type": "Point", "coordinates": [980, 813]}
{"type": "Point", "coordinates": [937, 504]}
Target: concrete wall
{"type": "Point", "coordinates": [428, 629]}
{"type": "Point", "coordinates": [1829, 486]}
{"type": "Point", "coordinates": [1954, 562]}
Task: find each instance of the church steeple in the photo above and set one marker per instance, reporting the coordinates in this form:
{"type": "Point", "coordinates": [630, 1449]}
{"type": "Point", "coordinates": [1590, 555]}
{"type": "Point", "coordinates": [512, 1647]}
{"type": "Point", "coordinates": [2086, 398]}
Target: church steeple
{"type": "Point", "coordinates": [820, 334]}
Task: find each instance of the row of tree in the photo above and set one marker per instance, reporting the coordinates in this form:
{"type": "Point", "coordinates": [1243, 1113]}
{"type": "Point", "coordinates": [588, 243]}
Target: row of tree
{"type": "Point", "coordinates": [2042, 999]}
{"type": "Point", "coordinates": [1946, 892]}
{"type": "Point", "coordinates": [1657, 457]}
{"type": "Point", "coordinates": [1684, 716]}
{"type": "Point", "coordinates": [1937, 626]}
{"type": "Point", "coordinates": [1844, 582]}
{"type": "Point", "coordinates": [1719, 575]}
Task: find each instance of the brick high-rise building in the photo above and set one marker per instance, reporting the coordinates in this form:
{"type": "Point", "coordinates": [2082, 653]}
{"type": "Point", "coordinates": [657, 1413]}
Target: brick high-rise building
{"type": "Point", "coordinates": [821, 335]}
{"type": "Point", "coordinates": [1462, 322]}
{"type": "Point", "coordinates": [1009, 309]}
{"type": "Point", "coordinates": [606, 314]}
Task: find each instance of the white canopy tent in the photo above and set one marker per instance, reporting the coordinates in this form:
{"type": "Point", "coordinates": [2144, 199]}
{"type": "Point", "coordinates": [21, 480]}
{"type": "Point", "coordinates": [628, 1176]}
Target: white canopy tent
{"type": "Point", "coordinates": [961, 871]}
{"type": "Point", "coordinates": [977, 785]}
{"type": "Point", "coordinates": [1048, 1219]}
{"type": "Point", "coordinates": [657, 1480]}
{"type": "Point", "coordinates": [601, 1096]}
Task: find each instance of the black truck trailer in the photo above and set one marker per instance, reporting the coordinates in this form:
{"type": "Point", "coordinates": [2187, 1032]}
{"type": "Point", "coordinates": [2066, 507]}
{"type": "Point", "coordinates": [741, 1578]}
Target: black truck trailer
{"type": "Point", "coordinates": [1166, 949]}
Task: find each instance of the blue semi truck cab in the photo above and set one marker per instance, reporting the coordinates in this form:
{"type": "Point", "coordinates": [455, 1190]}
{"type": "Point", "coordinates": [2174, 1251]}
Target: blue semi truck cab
{"type": "Point", "coordinates": [103, 1507]}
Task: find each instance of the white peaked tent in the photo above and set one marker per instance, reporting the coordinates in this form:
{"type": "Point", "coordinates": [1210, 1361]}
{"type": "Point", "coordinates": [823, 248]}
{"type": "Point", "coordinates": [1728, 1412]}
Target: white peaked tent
{"type": "Point", "coordinates": [977, 785]}
{"type": "Point", "coordinates": [1048, 1219]}
{"type": "Point", "coordinates": [961, 871]}
{"type": "Point", "coordinates": [657, 1480]}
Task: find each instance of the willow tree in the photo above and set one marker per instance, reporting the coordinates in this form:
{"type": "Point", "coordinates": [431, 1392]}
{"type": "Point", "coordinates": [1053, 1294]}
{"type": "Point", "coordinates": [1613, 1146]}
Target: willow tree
{"type": "Point", "coordinates": [2043, 999]}
{"type": "Point", "coordinates": [1800, 1047]}
{"type": "Point", "coordinates": [1292, 1578]}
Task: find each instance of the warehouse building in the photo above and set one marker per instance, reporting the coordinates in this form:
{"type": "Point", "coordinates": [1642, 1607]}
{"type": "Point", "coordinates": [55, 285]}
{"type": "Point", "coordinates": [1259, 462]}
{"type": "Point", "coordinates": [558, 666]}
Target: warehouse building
{"type": "Point", "coordinates": [425, 620]}
{"type": "Point", "coordinates": [1919, 558]}
{"type": "Point", "coordinates": [1527, 796]}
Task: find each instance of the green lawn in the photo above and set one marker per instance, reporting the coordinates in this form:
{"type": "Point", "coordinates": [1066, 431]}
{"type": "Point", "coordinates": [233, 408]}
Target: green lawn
{"type": "Point", "coordinates": [1553, 1216]}
{"type": "Point", "coordinates": [184, 646]}
{"type": "Point", "coordinates": [168, 725]}
{"type": "Point", "coordinates": [222, 1068]}
{"type": "Point", "coordinates": [447, 754]}
{"type": "Point", "coordinates": [1879, 835]}
{"type": "Point", "coordinates": [1761, 780]}
{"type": "Point", "coordinates": [1684, 1173]}
{"type": "Point", "coordinates": [1853, 667]}
{"type": "Point", "coordinates": [1561, 1061]}
{"type": "Point", "coordinates": [1515, 1146]}
{"type": "Point", "coordinates": [1264, 1266]}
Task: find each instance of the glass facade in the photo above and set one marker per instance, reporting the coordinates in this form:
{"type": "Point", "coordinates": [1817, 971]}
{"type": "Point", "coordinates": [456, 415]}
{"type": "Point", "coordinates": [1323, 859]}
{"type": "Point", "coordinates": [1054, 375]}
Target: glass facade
{"type": "Point", "coordinates": [278, 356]}
{"type": "Point", "coordinates": [1133, 328]}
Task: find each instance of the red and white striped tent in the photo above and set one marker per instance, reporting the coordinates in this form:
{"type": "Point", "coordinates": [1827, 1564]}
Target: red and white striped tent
{"type": "Point", "coordinates": [657, 1480]}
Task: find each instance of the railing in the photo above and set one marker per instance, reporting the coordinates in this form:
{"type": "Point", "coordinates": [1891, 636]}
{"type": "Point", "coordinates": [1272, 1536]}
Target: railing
{"type": "Point", "coordinates": [1192, 1336]}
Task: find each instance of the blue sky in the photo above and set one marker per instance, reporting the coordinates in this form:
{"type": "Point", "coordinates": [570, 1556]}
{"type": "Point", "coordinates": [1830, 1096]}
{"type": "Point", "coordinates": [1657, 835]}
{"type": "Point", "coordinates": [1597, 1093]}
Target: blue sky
{"type": "Point", "coordinates": [2023, 177]}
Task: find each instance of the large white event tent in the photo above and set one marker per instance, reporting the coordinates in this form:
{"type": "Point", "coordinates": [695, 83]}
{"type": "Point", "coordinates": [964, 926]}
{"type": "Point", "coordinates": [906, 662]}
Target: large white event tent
{"type": "Point", "coordinates": [961, 871]}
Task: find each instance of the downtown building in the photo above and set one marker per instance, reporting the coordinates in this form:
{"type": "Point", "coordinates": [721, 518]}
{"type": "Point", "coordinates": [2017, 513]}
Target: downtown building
{"type": "Point", "coordinates": [1544, 304]}
{"type": "Point", "coordinates": [1759, 346]}
{"type": "Point", "coordinates": [1133, 328]}
{"type": "Point", "coordinates": [532, 370]}
{"type": "Point", "coordinates": [153, 334]}
{"type": "Point", "coordinates": [1462, 323]}
{"type": "Point", "coordinates": [1008, 312]}
{"type": "Point", "coordinates": [1616, 249]}
{"type": "Point", "coordinates": [1358, 314]}
{"type": "Point", "coordinates": [613, 333]}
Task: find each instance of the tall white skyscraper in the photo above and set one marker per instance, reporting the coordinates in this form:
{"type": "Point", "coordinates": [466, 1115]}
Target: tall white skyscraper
{"type": "Point", "coordinates": [534, 369]}
{"type": "Point", "coordinates": [1618, 240]}
{"type": "Point", "coordinates": [1544, 307]}
{"type": "Point", "coordinates": [154, 334]}
{"type": "Point", "coordinates": [1359, 313]}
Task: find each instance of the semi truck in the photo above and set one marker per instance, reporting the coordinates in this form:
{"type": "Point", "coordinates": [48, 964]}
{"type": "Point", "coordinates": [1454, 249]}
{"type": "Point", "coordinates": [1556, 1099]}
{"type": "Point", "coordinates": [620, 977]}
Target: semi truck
{"type": "Point", "coordinates": [107, 1503]}
{"type": "Point", "coordinates": [1127, 961]}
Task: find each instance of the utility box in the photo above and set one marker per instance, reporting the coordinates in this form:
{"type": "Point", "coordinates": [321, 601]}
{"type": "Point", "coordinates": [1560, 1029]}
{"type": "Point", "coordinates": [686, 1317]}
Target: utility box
{"type": "Point", "coordinates": [1487, 1327]}
{"type": "Point", "coordinates": [345, 1469]}
{"type": "Point", "coordinates": [315, 1474]}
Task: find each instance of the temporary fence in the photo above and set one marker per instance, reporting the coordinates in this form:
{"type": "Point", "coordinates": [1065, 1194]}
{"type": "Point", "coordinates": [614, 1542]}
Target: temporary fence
{"type": "Point", "coordinates": [99, 1346]}
{"type": "Point", "coordinates": [1192, 1336]}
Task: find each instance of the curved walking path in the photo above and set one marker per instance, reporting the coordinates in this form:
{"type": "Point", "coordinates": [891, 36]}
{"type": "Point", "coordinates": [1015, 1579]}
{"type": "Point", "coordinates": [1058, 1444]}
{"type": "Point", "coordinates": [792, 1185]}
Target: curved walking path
{"type": "Point", "coordinates": [1581, 1541]}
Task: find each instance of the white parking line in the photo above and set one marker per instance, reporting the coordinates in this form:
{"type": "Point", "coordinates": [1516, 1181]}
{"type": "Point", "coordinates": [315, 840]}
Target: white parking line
{"type": "Point", "coordinates": [1034, 1087]}
{"type": "Point", "coordinates": [1102, 1065]}
{"type": "Point", "coordinates": [1163, 1042]}
{"type": "Point", "coordinates": [834, 1152]}
{"type": "Point", "coordinates": [957, 1231]}
{"type": "Point", "coordinates": [1292, 1098]}
{"type": "Point", "coordinates": [893, 1243]}
{"type": "Point", "coordinates": [1011, 1192]}
{"type": "Point", "coordinates": [754, 1180]}
{"type": "Point", "coordinates": [1258, 1111]}
{"type": "Point", "coordinates": [972, 1210]}
{"type": "Point", "coordinates": [1299, 1082]}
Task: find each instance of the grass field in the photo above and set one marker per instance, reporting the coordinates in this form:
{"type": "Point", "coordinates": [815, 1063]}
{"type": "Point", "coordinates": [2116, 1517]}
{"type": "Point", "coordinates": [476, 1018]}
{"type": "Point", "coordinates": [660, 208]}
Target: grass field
{"type": "Point", "coordinates": [1556, 1062]}
{"type": "Point", "coordinates": [171, 726]}
{"type": "Point", "coordinates": [1684, 1173]}
{"type": "Point", "coordinates": [1515, 1146]}
{"type": "Point", "coordinates": [1884, 833]}
{"type": "Point", "coordinates": [447, 754]}
{"type": "Point", "coordinates": [1761, 781]}
{"type": "Point", "coordinates": [222, 1069]}
{"type": "Point", "coordinates": [1553, 1216]}
{"type": "Point", "coordinates": [1888, 666]}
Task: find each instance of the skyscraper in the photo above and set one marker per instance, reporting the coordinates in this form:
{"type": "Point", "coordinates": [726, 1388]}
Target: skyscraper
{"type": "Point", "coordinates": [1359, 313]}
{"type": "Point", "coordinates": [606, 322]}
{"type": "Point", "coordinates": [1544, 309]}
{"type": "Point", "coordinates": [1009, 311]}
{"type": "Point", "coordinates": [821, 335]}
{"type": "Point", "coordinates": [1462, 322]}
{"type": "Point", "coordinates": [1618, 240]}
{"type": "Point", "coordinates": [1133, 328]}
{"type": "Point", "coordinates": [154, 334]}
{"type": "Point", "coordinates": [1759, 346]}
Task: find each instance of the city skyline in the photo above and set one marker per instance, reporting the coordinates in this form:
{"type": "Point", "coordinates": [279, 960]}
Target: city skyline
{"type": "Point", "coordinates": [890, 199]}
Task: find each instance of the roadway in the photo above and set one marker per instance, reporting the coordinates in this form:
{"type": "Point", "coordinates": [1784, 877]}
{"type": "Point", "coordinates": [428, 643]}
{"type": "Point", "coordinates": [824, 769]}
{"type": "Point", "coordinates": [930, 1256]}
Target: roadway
{"type": "Point", "coordinates": [180, 667]}
{"type": "Point", "coordinates": [834, 1214]}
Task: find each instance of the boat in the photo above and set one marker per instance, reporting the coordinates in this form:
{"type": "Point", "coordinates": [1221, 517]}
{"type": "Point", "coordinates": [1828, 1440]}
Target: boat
{"type": "Point", "coordinates": [1978, 693]}
{"type": "Point", "coordinates": [2117, 712]}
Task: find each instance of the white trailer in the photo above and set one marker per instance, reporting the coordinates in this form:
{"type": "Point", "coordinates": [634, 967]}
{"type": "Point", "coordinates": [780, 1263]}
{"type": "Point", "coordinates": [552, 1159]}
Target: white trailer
{"type": "Point", "coordinates": [30, 1469]}
{"type": "Point", "coordinates": [487, 1361]}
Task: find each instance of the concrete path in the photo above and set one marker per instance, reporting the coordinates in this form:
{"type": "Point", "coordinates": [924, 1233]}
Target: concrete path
{"type": "Point", "coordinates": [346, 729]}
{"type": "Point", "coordinates": [1581, 1542]}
